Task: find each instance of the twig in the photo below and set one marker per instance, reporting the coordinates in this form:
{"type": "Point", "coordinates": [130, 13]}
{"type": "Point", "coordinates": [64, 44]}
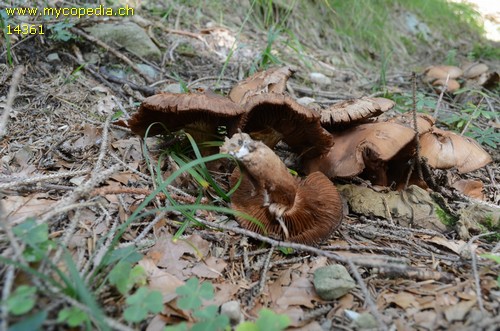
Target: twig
{"type": "Point", "coordinates": [438, 103]}
{"type": "Point", "coordinates": [148, 228]}
{"type": "Point", "coordinates": [148, 91]}
{"type": "Point", "coordinates": [7, 286]}
{"type": "Point", "coordinates": [16, 77]}
{"type": "Point", "coordinates": [38, 178]}
{"type": "Point", "coordinates": [113, 51]}
{"type": "Point", "coordinates": [143, 191]}
{"type": "Point", "coordinates": [256, 291]}
{"type": "Point", "coordinates": [104, 144]}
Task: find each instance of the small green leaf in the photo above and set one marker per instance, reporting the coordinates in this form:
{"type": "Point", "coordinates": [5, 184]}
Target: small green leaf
{"type": "Point", "coordinates": [192, 292]}
{"type": "Point", "coordinates": [124, 277]}
{"type": "Point", "coordinates": [178, 327]}
{"type": "Point", "coordinates": [210, 320]}
{"type": "Point", "coordinates": [72, 316]}
{"type": "Point", "coordinates": [31, 233]}
{"type": "Point", "coordinates": [141, 303]}
{"type": "Point", "coordinates": [493, 257]}
{"type": "Point", "coordinates": [267, 320]}
{"type": "Point", "coordinates": [22, 300]}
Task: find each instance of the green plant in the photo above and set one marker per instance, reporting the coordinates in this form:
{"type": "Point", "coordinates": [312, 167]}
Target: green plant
{"type": "Point", "coordinates": [191, 296]}
{"type": "Point", "coordinates": [4, 21]}
{"type": "Point", "coordinates": [22, 300]}
{"type": "Point", "coordinates": [141, 303]}
{"type": "Point", "coordinates": [484, 52]}
{"type": "Point", "coordinates": [60, 31]}
{"type": "Point", "coordinates": [495, 258]}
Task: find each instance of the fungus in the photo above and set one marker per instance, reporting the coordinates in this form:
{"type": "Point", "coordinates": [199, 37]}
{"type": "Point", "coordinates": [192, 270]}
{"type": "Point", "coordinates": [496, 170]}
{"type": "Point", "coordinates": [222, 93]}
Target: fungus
{"type": "Point", "coordinates": [269, 81]}
{"type": "Point", "coordinates": [424, 122]}
{"type": "Point", "coordinates": [376, 151]}
{"type": "Point", "coordinates": [274, 117]}
{"type": "Point", "coordinates": [353, 111]}
{"type": "Point", "coordinates": [450, 85]}
{"type": "Point", "coordinates": [446, 150]}
{"type": "Point", "coordinates": [473, 70]}
{"type": "Point", "coordinates": [199, 114]}
{"type": "Point", "coordinates": [299, 210]}
{"type": "Point", "coordinates": [433, 73]}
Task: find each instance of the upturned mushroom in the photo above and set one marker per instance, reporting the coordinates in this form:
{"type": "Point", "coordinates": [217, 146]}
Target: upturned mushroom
{"type": "Point", "coordinates": [446, 150]}
{"type": "Point", "coordinates": [349, 112]}
{"type": "Point", "coordinates": [441, 72]}
{"type": "Point", "coordinates": [199, 114]}
{"type": "Point", "coordinates": [274, 117]}
{"type": "Point", "coordinates": [299, 210]}
{"type": "Point", "coordinates": [269, 81]}
{"type": "Point", "coordinates": [375, 151]}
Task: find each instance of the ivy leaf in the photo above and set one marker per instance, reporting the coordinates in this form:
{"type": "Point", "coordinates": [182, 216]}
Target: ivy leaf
{"type": "Point", "coordinates": [141, 303]}
{"type": "Point", "coordinates": [192, 292]}
{"type": "Point", "coordinates": [22, 300]}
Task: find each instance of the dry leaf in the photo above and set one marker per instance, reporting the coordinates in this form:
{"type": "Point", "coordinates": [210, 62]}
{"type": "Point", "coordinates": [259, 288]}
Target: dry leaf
{"type": "Point", "coordinates": [457, 312]}
{"type": "Point", "coordinates": [471, 188]}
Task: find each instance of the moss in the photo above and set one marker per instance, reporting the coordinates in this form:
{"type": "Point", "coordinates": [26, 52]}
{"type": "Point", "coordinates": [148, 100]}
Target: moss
{"type": "Point", "coordinates": [445, 218]}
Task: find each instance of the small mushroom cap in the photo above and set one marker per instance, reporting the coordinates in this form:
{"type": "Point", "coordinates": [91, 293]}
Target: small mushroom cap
{"type": "Point", "coordinates": [473, 70]}
{"type": "Point", "coordinates": [274, 117]}
{"type": "Point", "coordinates": [269, 81]}
{"type": "Point", "coordinates": [441, 72]}
{"type": "Point", "coordinates": [176, 111]}
{"type": "Point", "coordinates": [355, 147]}
{"type": "Point", "coordinates": [312, 217]}
{"type": "Point", "coordinates": [445, 150]}
{"type": "Point", "coordinates": [424, 122]}
{"type": "Point", "coordinates": [451, 85]}
{"type": "Point", "coordinates": [353, 111]}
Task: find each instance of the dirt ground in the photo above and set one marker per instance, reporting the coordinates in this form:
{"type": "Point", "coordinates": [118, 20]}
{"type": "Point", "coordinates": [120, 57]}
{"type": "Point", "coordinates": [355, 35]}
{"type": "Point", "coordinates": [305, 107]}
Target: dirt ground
{"type": "Point", "coordinates": [64, 161]}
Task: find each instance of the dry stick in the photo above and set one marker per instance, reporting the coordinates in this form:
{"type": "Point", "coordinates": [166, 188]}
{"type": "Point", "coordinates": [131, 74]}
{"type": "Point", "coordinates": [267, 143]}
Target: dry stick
{"type": "Point", "coordinates": [113, 51]}
{"type": "Point", "coordinates": [143, 191]}
{"type": "Point", "coordinates": [438, 103]}
{"type": "Point", "coordinates": [368, 298]}
{"type": "Point", "coordinates": [104, 144]}
{"type": "Point", "coordinates": [416, 159]}
{"type": "Point", "coordinates": [475, 271]}
{"type": "Point", "coordinates": [296, 246]}
{"type": "Point", "coordinates": [7, 286]}
{"type": "Point", "coordinates": [148, 228]}
{"type": "Point", "coordinates": [256, 291]}
{"type": "Point", "coordinates": [39, 178]}
{"type": "Point", "coordinates": [16, 77]}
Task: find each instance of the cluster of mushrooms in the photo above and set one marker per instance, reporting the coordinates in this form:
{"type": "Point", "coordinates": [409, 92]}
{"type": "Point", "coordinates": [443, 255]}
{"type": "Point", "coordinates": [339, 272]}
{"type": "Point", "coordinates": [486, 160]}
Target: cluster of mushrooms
{"type": "Point", "coordinates": [341, 141]}
{"type": "Point", "coordinates": [451, 78]}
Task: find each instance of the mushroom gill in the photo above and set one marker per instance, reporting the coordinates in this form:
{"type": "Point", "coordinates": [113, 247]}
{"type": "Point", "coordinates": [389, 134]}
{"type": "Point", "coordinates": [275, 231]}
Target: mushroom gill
{"type": "Point", "coordinates": [299, 210]}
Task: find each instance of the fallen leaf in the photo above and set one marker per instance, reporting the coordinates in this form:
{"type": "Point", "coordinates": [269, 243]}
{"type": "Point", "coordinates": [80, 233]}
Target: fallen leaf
{"type": "Point", "coordinates": [212, 267]}
{"type": "Point", "coordinates": [470, 187]}
{"type": "Point", "coordinates": [160, 280]}
{"type": "Point", "coordinates": [457, 312]}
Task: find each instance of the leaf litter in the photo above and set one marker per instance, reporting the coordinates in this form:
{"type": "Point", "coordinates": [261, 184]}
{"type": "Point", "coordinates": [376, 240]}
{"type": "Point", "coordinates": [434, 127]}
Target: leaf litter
{"type": "Point", "coordinates": [74, 121]}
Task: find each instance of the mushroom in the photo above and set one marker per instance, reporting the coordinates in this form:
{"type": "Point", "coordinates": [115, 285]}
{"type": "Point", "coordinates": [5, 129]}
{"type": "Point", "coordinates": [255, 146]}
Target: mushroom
{"type": "Point", "coordinates": [450, 85]}
{"type": "Point", "coordinates": [299, 210]}
{"type": "Point", "coordinates": [445, 150]}
{"type": "Point", "coordinates": [441, 72]}
{"type": "Point", "coordinates": [369, 150]}
{"type": "Point", "coordinates": [473, 70]}
{"type": "Point", "coordinates": [199, 114]}
{"type": "Point", "coordinates": [353, 111]}
{"type": "Point", "coordinates": [424, 122]}
{"type": "Point", "coordinates": [269, 81]}
{"type": "Point", "coordinates": [274, 117]}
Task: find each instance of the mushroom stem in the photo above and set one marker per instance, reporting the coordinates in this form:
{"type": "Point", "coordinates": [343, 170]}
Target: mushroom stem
{"type": "Point", "coordinates": [266, 169]}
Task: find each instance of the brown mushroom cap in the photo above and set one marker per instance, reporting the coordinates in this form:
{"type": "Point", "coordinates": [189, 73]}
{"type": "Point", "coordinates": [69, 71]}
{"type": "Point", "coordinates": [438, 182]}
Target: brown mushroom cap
{"type": "Point", "coordinates": [473, 70]}
{"type": "Point", "coordinates": [441, 72]}
{"type": "Point", "coordinates": [451, 85]}
{"type": "Point", "coordinates": [424, 122]}
{"type": "Point", "coordinates": [353, 111]}
{"type": "Point", "coordinates": [269, 81]}
{"type": "Point", "coordinates": [445, 150]}
{"type": "Point", "coordinates": [192, 111]}
{"type": "Point", "coordinates": [364, 147]}
{"type": "Point", "coordinates": [274, 117]}
{"type": "Point", "coordinates": [309, 209]}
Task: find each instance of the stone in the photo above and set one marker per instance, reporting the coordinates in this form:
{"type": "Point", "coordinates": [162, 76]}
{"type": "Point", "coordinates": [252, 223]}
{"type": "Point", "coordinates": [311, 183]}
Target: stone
{"type": "Point", "coordinates": [319, 78]}
{"type": "Point", "coordinates": [129, 35]}
{"type": "Point", "coordinates": [53, 57]}
{"type": "Point", "coordinates": [333, 281]}
{"type": "Point", "coordinates": [232, 309]}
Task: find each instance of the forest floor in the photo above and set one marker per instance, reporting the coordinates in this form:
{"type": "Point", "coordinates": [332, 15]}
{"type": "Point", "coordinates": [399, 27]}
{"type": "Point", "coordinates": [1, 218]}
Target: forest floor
{"type": "Point", "coordinates": [88, 237]}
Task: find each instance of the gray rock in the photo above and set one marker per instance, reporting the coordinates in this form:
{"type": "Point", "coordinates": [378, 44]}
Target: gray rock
{"type": "Point", "coordinates": [365, 321]}
{"type": "Point", "coordinates": [52, 57]}
{"type": "Point", "coordinates": [173, 88]}
{"type": "Point", "coordinates": [332, 282]}
{"type": "Point", "coordinates": [129, 35]}
{"type": "Point", "coordinates": [319, 78]}
{"type": "Point", "coordinates": [232, 310]}
{"type": "Point", "coordinates": [148, 70]}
